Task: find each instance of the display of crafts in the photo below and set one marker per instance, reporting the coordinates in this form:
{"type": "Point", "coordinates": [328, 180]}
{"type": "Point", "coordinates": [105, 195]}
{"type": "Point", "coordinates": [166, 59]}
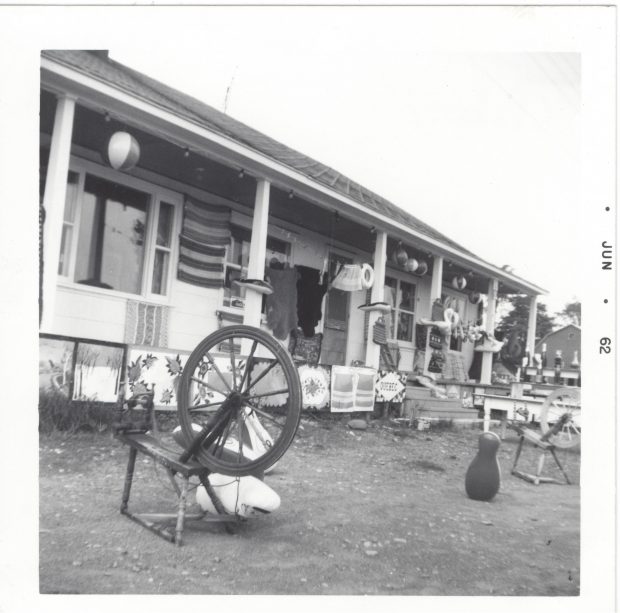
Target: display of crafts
{"type": "Point", "coordinates": [315, 386]}
{"type": "Point", "coordinates": [272, 379]}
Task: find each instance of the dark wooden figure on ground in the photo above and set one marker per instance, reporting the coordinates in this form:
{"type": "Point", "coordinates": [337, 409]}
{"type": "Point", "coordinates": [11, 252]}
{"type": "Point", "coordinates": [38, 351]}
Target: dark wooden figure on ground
{"type": "Point", "coordinates": [482, 479]}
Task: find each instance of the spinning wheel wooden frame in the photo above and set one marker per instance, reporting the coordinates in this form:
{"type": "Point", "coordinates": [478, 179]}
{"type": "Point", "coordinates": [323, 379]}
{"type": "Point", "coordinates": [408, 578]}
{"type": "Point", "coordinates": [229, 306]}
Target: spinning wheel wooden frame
{"type": "Point", "coordinates": [562, 404]}
{"type": "Point", "coordinates": [239, 406]}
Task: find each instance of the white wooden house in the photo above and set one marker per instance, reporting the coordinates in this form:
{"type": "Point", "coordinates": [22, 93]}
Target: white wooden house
{"type": "Point", "coordinates": [120, 246]}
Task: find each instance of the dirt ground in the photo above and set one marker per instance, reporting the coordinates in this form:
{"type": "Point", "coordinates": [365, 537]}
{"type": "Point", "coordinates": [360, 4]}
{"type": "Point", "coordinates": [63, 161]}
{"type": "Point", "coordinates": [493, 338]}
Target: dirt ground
{"type": "Point", "coordinates": [381, 511]}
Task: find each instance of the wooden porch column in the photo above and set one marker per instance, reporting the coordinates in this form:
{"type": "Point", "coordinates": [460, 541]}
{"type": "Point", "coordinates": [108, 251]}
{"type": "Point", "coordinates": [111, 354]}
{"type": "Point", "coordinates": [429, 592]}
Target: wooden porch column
{"type": "Point", "coordinates": [531, 327]}
{"type": "Point", "coordinates": [54, 203]}
{"type": "Point", "coordinates": [258, 249]}
{"type": "Point", "coordinates": [437, 278]}
{"type": "Point", "coordinates": [487, 356]}
{"type": "Point", "coordinates": [376, 295]}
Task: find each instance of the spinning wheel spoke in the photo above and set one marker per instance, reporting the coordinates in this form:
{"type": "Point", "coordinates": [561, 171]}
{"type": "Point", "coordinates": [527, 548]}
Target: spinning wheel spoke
{"type": "Point", "coordinates": [273, 393]}
{"type": "Point", "coordinates": [239, 443]}
{"type": "Point", "coordinates": [233, 367]}
{"type": "Point", "coordinates": [263, 374]}
{"type": "Point", "coordinates": [196, 408]}
{"type": "Point", "coordinates": [266, 415]}
{"type": "Point", "coordinates": [217, 370]}
{"type": "Point", "coordinates": [210, 386]}
{"type": "Point", "coordinates": [248, 366]}
{"type": "Point", "coordinates": [564, 405]}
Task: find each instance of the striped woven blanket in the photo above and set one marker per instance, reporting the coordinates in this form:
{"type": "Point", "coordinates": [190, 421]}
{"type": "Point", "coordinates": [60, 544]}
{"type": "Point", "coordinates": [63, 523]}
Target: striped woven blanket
{"type": "Point", "coordinates": [204, 237]}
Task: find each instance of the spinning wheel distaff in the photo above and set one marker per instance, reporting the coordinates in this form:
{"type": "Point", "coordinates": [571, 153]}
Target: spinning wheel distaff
{"type": "Point", "coordinates": [239, 406]}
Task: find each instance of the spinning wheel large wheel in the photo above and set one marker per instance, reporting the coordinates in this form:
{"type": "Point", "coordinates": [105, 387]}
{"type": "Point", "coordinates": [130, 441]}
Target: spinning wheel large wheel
{"type": "Point", "coordinates": [239, 401]}
{"type": "Point", "coordinates": [561, 412]}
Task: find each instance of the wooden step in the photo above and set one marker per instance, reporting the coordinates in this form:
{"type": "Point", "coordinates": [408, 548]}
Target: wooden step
{"type": "Point", "coordinates": [465, 414]}
{"type": "Point", "coordinates": [448, 408]}
{"type": "Point", "coordinates": [417, 393]}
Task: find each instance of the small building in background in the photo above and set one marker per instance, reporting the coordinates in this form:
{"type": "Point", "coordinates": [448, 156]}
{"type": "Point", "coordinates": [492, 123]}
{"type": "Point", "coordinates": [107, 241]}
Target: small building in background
{"type": "Point", "coordinates": [567, 340]}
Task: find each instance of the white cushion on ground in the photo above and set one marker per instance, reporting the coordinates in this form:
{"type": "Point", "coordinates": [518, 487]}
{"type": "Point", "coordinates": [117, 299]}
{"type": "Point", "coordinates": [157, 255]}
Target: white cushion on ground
{"type": "Point", "coordinates": [245, 496]}
{"type": "Point", "coordinates": [231, 444]}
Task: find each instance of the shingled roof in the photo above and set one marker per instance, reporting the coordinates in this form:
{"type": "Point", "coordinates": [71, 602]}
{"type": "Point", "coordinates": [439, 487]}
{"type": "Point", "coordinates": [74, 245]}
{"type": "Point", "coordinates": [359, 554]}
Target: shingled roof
{"type": "Point", "coordinates": [99, 66]}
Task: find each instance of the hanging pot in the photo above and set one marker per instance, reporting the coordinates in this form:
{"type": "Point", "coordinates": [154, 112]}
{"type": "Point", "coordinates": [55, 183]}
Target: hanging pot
{"type": "Point", "coordinates": [459, 282]}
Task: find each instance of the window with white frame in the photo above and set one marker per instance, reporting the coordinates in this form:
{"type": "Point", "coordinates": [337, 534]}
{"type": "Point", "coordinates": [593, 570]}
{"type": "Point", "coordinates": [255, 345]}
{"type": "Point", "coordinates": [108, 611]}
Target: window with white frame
{"type": "Point", "coordinates": [115, 236]}
{"type": "Point", "coordinates": [237, 258]}
{"type": "Point", "coordinates": [402, 297]}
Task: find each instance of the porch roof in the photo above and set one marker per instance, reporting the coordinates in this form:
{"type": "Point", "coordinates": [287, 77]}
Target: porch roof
{"type": "Point", "coordinates": [97, 65]}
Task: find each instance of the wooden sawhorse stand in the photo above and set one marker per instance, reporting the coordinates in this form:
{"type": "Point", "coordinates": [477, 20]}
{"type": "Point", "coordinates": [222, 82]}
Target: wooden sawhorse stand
{"type": "Point", "coordinates": [149, 446]}
{"type": "Point", "coordinates": [542, 442]}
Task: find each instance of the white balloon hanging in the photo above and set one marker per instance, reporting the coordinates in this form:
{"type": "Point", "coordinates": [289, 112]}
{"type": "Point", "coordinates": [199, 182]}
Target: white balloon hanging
{"type": "Point", "coordinates": [123, 151]}
{"type": "Point", "coordinates": [459, 282]}
{"type": "Point", "coordinates": [411, 265]}
{"type": "Point", "coordinates": [422, 268]}
{"type": "Point", "coordinates": [400, 256]}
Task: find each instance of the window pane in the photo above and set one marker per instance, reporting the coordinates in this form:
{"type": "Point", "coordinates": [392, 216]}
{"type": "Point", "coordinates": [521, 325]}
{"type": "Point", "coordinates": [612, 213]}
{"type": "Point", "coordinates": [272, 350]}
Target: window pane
{"type": "Point", "coordinates": [405, 327]}
{"type": "Point", "coordinates": [277, 251]}
{"type": "Point", "coordinates": [160, 272]}
{"type": "Point", "coordinates": [68, 218]}
{"type": "Point", "coordinates": [65, 247]}
{"type": "Point", "coordinates": [407, 296]}
{"type": "Point", "coordinates": [390, 291]}
{"type": "Point", "coordinates": [70, 199]}
{"type": "Point", "coordinates": [164, 225]}
{"type": "Point", "coordinates": [233, 294]}
{"type": "Point", "coordinates": [111, 242]}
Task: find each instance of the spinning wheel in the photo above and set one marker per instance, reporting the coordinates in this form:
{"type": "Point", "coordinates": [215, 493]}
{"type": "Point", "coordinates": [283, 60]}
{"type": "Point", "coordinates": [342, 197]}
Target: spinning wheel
{"type": "Point", "coordinates": [562, 405]}
{"type": "Point", "coordinates": [239, 386]}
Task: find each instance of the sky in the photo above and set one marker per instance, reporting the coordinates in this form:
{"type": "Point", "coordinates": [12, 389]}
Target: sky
{"type": "Point", "coordinates": [480, 141]}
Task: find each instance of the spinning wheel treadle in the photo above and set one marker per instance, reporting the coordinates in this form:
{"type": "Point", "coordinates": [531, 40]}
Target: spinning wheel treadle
{"type": "Point", "coordinates": [238, 384]}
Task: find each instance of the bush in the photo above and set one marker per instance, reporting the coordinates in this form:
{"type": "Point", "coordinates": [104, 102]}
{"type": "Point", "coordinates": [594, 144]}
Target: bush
{"type": "Point", "coordinates": [59, 413]}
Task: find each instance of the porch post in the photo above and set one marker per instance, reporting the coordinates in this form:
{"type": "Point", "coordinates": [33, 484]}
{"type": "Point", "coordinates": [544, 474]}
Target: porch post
{"type": "Point", "coordinates": [258, 249]}
{"type": "Point", "coordinates": [487, 356]}
{"type": "Point", "coordinates": [437, 278]}
{"type": "Point", "coordinates": [531, 327]}
{"type": "Point", "coordinates": [376, 295]}
{"type": "Point", "coordinates": [54, 203]}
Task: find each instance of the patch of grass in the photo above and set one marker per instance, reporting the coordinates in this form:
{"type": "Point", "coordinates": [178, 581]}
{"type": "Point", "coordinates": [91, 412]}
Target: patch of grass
{"type": "Point", "coordinates": [57, 413]}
